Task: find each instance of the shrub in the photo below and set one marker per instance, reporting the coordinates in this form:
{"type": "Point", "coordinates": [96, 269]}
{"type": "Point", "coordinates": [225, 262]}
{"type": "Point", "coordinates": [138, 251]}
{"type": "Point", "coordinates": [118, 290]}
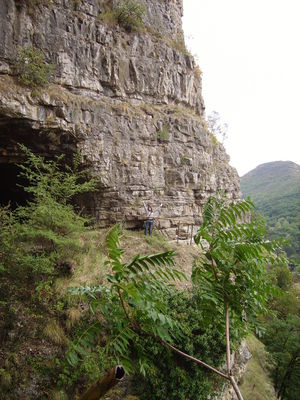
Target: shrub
{"type": "Point", "coordinates": [129, 14]}
{"type": "Point", "coordinates": [282, 341]}
{"type": "Point", "coordinates": [173, 378]}
{"type": "Point", "coordinates": [31, 68]}
{"type": "Point", "coordinates": [44, 235]}
{"type": "Point", "coordinates": [184, 160]}
{"type": "Point", "coordinates": [216, 127]}
{"type": "Point", "coordinates": [109, 18]}
{"type": "Point", "coordinates": [8, 232]}
{"type": "Point", "coordinates": [163, 134]}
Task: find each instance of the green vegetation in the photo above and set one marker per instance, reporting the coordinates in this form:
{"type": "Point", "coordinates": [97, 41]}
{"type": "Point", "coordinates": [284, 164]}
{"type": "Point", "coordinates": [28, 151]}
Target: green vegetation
{"type": "Point", "coordinates": [231, 273]}
{"type": "Point", "coordinates": [31, 67]}
{"type": "Point", "coordinates": [184, 159]}
{"type": "Point", "coordinates": [275, 189]}
{"type": "Point", "coordinates": [166, 369]}
{"type": "Point", "coordinates": [129, 14]}
{"type": "Point", "coordinates": [255, 382]}
{"type": "Point", "coordinates": [126, 13]}
{"type": "Point", "coordinates": [42, 237]}
{"type": "Point", "coordinates": [46, 247]}
{"type": "Point", "coordinates": [273, 371]}
{"type": "Point", "coordinates": [39, 243]}
{"type": "Point", "coordinates": [163, 134]}
{"type": "Point", "coordinates": [230, 283]}
{"type": "Point", "coordinates": [126, 308]}
{"type": "Point", "coordinates": [282, 340]}
{"type": "Point", "coordinates": [136, 293]}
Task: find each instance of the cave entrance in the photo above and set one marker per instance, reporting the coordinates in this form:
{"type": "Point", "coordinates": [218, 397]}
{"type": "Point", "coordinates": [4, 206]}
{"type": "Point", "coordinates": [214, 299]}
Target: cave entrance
{"type": "Point", "coordinates": [45, 143]}
{"type": "Point", "coordinates": [12, 184]}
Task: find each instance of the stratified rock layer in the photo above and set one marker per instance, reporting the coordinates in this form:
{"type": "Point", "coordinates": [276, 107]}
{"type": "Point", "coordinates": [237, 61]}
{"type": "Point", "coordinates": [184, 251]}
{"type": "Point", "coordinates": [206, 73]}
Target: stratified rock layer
{"type": "Point", "coordinates": [130, 101]}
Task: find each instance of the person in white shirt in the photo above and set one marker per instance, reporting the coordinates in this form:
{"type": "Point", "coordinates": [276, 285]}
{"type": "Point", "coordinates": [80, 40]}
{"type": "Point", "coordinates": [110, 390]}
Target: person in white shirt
{"type": "Point", "coordinates": [150, 217]}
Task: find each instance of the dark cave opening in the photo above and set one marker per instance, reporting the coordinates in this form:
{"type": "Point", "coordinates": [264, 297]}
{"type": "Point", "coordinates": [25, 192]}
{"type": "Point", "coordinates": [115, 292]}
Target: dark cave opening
{"type": "Point", "coordinates": [48, 144]}
{"type": "Point", "coordinates": [135, 226]}
{"type": "Point", "coordinates": [12, 186]}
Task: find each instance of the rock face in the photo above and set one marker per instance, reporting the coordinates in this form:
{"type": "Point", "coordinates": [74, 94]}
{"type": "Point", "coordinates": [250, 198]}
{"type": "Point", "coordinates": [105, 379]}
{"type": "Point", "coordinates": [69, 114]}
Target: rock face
{"type": "Point", "coordinates": [239, 360]}
{"type": "Point", "coordinates": [129, 101]}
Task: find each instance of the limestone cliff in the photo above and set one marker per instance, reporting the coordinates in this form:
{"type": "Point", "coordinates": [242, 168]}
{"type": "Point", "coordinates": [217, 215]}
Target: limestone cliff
{"type": "Point", "coordinates": [130, 101]}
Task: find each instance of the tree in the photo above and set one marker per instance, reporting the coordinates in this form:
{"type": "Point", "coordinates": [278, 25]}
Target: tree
{"type": "Point", "coordinates": [43, 235]}
{"type": "Point", "coordinates": [231, 272]}
{"type": "Point", "coordinates": [31, 68]}
{"type": "Point", "coordinates": [282, 340]}
{"type": "Point", "coordinates": [216, 127]}
{"type": "Point", "coordinates": [230, 276]}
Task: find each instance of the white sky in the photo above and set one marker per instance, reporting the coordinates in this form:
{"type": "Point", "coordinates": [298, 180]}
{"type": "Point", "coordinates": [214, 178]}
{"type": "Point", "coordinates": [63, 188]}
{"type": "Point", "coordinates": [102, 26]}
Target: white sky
{"type": "Point", "coordinates": [249, 52]}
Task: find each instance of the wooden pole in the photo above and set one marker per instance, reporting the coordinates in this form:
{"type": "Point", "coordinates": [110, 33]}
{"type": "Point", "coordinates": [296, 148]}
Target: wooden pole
{"type": "Point", "coordinates": [106, 382]}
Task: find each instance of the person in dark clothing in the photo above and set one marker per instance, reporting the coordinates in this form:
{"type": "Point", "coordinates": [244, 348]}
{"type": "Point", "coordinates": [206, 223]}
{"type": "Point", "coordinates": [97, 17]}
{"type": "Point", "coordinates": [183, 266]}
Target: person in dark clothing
{"type": "Point", "coordinates": [150, 217]}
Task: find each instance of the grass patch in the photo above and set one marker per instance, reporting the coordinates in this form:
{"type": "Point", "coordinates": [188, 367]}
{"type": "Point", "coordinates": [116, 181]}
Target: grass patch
{"type": "Point", "coordinates": [137, 243]}
{"type": "Point", "coordinates": [54, 332]}
{"type": "Point", "coordinates": [88, 268]}
{"type": "Point", "coordinates": [255, 383]}
{"type": "Point", "coordinates": [163, 134]}
{"type": "Point", "coordinates": [73, 316]}
{"type": "Point", "coordinates": [58, 395]}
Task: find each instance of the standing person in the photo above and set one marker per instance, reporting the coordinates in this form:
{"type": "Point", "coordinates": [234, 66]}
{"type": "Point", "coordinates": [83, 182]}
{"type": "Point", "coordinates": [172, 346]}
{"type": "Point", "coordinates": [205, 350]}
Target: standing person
{"type": "Point", "coordinates": [150, 217]}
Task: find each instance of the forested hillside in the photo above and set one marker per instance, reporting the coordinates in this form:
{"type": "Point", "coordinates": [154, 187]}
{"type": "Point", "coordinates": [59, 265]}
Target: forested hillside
{"type": "Point", "coordinates": [275, 189]}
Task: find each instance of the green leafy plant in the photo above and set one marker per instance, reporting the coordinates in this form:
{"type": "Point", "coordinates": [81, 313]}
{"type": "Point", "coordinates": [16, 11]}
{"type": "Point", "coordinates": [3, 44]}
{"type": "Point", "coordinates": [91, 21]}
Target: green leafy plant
{"type": "Point", "coordinates": [184, 159]}
{"type": "Point", "coordinates": [282, 341]}
{"type": "Point", "coordinates": [31, 67]}
{"type": "Point", "coordinates": [9, 252]}
{"type": "Point", "coordinates": [133, 304]}
{"type": "Point", "coordinates": [229, 276]}
{"type": "Point", "coordinates": [163, 134]}
{"type": "Point", "coordinates": [129, 14]}
{"type": "Point", "coordinates": [41, 241]}
{"type": "Point", "coordinates": [169, 376]}
{"type": "Point", "coordinates": [44, 232]}
{"type": "Point", "coordinates": [231, 273]}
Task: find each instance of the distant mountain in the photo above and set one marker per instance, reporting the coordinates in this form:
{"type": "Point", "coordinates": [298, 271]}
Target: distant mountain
{"type": "Point", "coordinates": [275, 189]}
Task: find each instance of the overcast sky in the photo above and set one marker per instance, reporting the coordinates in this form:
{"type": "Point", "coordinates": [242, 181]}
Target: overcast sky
{"type": "Point", "coordinates": [249, 52]}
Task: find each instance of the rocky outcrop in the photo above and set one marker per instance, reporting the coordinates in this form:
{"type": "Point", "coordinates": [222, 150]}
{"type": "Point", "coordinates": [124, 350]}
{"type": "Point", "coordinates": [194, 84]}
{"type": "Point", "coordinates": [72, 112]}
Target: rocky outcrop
{"type": "Point", "coordinates": [239, 360]}
{"type": "Point", "coordinates": [129, 101]}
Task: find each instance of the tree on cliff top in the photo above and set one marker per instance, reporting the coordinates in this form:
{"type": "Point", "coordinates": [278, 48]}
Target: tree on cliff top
{"type": "Point", "coordinates": [216, 127]}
